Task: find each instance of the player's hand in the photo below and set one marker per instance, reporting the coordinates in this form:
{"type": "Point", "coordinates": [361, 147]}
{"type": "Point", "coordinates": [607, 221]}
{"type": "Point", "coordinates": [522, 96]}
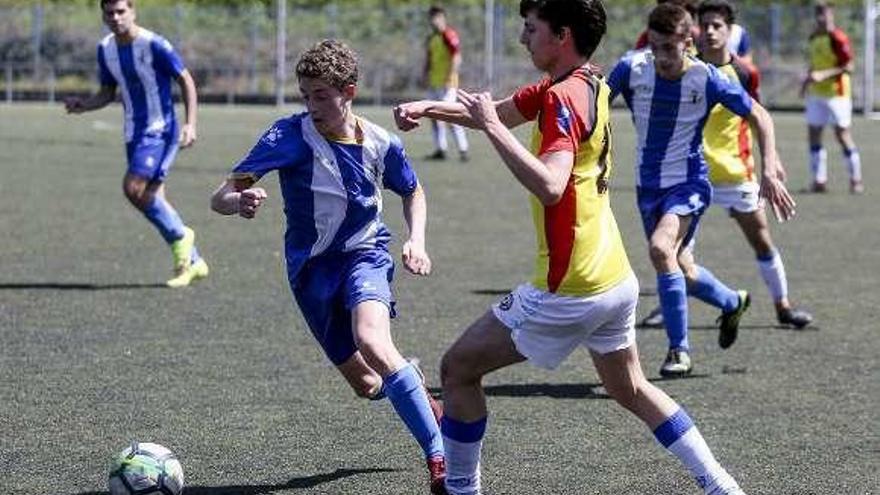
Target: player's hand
{"type": "Point", "coordinates": [250, 200]}
{"type": "Point", "coordinates": [773, 191]}
{"type": "Point", "coordinates": [187, 135]}
{"type": "Point", "coordinates": [415, 258]}
{"type": "Point", "coordinates": [480, 106]}
{"type": "Point", "coordinates": [407, 115]}
{"type": "Point", "coordinates": [74, 104]}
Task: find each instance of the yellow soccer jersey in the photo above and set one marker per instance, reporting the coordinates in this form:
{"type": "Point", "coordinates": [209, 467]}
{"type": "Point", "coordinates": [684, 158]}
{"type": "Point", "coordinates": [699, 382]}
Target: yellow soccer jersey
{"type": "Point", "coordinates": [442, 47]}
{"type": "Point", "coordinates": [727, 137]}
{"type": "Point", "coordinates": [580, 251]}
{"type": "Point", "coordinates": [829, 50]}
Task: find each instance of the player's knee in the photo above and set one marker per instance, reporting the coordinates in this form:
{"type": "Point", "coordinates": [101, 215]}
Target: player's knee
{"type": "Point", "coordinates": [661, 254]}
{"type": "Point", "coordinates": [456, 370]}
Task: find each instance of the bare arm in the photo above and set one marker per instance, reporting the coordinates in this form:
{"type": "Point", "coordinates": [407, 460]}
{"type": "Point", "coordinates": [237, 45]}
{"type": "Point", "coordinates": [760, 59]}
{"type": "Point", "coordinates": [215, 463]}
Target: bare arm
{"type": "Point", "coordinates": [772, 173]}
{"type": "Point", "coordinates": [546, 176]}
{"type": "Point", "coordinates": [238, 197]}
{"type": "Point", "coordinates": [407, 115]}
{"type": "Point", "coordinates": [188, 133]}
{"type": "Point", "coordinates": [101, 99]}
{"type": "Point", "coordinates": [415, 213]}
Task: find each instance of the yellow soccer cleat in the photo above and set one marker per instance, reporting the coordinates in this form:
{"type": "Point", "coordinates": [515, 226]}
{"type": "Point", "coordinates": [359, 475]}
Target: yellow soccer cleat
{"type": "Point", "coordinates": [190, 274]}
{"type": "Point", "coordinates": [181, 250]}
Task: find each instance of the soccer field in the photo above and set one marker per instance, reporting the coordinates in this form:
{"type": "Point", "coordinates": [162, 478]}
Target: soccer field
{"type": "Point", "coordinates": [94, 352]}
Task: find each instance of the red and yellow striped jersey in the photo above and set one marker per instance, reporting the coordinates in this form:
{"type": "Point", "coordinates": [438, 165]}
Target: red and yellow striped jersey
{"type": "Point", "coordinates": [727, 137]}
{"type": "Point", "coordinates": [829, 50]}
{"type": "Point", "coordinates": [580, 251]}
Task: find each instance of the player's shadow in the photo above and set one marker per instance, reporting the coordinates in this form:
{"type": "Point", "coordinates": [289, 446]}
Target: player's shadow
{"type": "Point", "coordinates": [557, 390]}
{"type": "Point", "coordinates": [77, 286]}
{"type": "Point", "coordinates": [295, 483]}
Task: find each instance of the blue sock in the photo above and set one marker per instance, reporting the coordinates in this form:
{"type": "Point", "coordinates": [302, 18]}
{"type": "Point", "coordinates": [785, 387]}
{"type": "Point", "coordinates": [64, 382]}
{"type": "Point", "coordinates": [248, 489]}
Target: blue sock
{"type": "Point", "coordinates": [409, 398]}
{"type": "Point", "coordinates": [672, 290]}
{"type": "Point", "coordinates": [165, 218]}
{"type": "Point", "coordinates": [712, 291]}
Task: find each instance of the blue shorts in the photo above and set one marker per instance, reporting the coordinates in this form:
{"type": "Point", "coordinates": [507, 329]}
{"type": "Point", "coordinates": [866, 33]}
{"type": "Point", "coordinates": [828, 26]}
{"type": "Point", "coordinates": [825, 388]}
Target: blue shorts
{"type": "Point", "coordinates": [328, 287]}
{"type": "Point", "coordinates": [687, 199]}
{"type": "Point", "coordinates": [150, 157]}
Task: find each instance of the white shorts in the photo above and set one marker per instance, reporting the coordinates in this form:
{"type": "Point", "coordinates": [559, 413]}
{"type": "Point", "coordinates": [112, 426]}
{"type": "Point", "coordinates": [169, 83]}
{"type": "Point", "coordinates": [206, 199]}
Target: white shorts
{"type": "Point", "coordinates": [443, 94]}
{"type": "Point", "coordinates": [742, 198]}
{"type": "Point", "coordinates": [836, 111]}
{"type": "Point", "coordinates": [547, 327]}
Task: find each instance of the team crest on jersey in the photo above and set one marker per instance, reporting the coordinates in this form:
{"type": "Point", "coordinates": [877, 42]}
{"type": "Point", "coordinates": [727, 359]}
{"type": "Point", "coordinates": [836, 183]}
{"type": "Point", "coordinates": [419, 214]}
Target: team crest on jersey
{"type": "Point", "coordinates": [695, 96]}
{"type": "Point", "coordinates": [563, 118]}
{"type": "Point", "coordinates": [272, 136]}
{"type": "Point", "coordinates": [506, 303]}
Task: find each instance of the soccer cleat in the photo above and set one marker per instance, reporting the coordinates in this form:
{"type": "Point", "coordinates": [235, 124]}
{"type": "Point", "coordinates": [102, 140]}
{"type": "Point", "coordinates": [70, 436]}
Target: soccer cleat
{"type": "Point", "coordinates": [818, 187]}
{"type": "Point", "coordinates": [856, 187]}
{"type": "Point", "coordinates": [677, 364]}
{"type": "Point", "coordinates": [653, 320]}
{"type": "Point", "coordinates": [728, 323]}
{"type": "Point", "coordinates": [193, 272]}
{"type": "Point", "coordinates": [437, 155]}
{"type": "Point", "coordinates": [795, 317]}
{"type": "Point", "coordinates": [437, 474]}
{"type": "Point", "coordinates": [181, 250]}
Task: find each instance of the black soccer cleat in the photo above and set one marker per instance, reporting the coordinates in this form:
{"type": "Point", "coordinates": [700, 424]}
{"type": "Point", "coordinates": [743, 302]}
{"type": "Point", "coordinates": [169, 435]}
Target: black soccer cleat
{"type": "Point", "coordinates": [795, 317]}
{"type": "Point", "coordinates": [728, 323]}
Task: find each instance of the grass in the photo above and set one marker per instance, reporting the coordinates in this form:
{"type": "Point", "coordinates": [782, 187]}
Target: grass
{"type": "Point", "coordinates": [95, 353]}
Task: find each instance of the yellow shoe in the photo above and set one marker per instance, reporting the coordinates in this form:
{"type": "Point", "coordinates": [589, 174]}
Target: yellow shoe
{"type": "Point", "coordinates": [181, 250]}
{"type": "Point", "coordinates": [192, 273]}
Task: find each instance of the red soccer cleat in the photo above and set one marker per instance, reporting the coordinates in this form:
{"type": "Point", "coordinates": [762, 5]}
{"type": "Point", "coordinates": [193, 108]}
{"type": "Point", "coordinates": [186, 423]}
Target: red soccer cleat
{"type": "Point", "coordinates": [437, 472]}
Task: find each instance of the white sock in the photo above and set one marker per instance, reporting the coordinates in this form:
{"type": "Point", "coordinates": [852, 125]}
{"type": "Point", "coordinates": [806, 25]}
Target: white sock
{"type": "Point", "coordinates": [461, 141]}
{"type": "Point", "coordinates": [438, 129]}
{"type": "Point", "coordinates": [854, 164]}
{"type": "Point", "coordinates": [462, 466]}
{"type": "Point", "coordinates": [819, 164]}
{"type": "Point", "coordinates": [773, 272]}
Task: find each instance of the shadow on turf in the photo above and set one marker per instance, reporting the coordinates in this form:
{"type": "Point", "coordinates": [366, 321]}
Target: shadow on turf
{"type": "Point", "coordinates": [304, 482]}
{"type": "Point", "coordinates": [76, 286]}
{"type": "Point", "coordinates": [561, 390]}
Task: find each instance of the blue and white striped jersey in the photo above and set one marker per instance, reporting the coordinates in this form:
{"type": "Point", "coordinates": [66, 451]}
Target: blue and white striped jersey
{"type": "Point", "coordinates": [669, 116]}
{"type": "Point", "coordinates": [143, 70]}
{"type": "Point", "coordinates": [331, 189]}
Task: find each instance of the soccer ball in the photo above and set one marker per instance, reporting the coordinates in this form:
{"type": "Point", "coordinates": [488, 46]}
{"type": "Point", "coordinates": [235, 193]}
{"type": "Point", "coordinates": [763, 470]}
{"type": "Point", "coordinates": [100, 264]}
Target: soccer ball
{"type": "Point", "coordinates": [146, 469]}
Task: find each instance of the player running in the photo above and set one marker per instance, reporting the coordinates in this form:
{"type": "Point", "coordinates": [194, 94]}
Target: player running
{"type": "Point", "coordinates": [584, 292]}
{"type": "Point", "coordinates": [727, 146]}
{"type": "Point", "coordinates": [142, 65]}
{"type": "Point", "coordinates": [670, 95]}
{"type": "Point", "coordinates": [332, 166]}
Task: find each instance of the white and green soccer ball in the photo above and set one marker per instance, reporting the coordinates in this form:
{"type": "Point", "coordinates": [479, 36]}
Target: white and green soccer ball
{"type": "Point", "coordinates": [146, 469]}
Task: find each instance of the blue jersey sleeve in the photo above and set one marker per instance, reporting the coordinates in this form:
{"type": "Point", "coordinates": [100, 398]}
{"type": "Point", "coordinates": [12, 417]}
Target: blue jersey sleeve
{"type": "Point", "coordinates": [618, 81]}
{"type": "Point", "coordinates": [745, 44]}
{"type": "Point", "coordinates": [277, 148]}
{"type": "Point", "coordinates": [399, 175]}
{"type": "Point", "coordinates": [729, 93]}
{"type": "Point", "coordinates": [104, 75]}
{"type": "Point", "coordinates": [166, 58]}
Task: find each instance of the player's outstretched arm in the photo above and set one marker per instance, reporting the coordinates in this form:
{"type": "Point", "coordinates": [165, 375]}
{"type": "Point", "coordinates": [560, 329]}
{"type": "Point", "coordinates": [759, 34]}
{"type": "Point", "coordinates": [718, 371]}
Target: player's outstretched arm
{"type": "Point", "coordinates": [407, 115]}
{"type": "Point", "coordinates": [415, 213]}
{"type": "Point", "coordinates": [101, 99]}
{"type": "Point", "coordinates": [545, 177]}
{"type": "Point", "coordinates": [231, 198]}
{"type": "Point", "coordinates": [772, 172]}
{"type": "Point", "coordinates": [188, 133]}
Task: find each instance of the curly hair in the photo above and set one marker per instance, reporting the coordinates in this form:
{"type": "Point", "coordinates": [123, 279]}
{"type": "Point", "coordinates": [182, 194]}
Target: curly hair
{"type": "Point", "coordinates": [331, 61]}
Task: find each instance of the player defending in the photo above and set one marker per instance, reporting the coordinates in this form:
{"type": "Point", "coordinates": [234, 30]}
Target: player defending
{"type": "Point", "coordinates": [142, 64]}
{"type": "Point", "coordinates": [332, 165]}
{"type": "Point", "coordinates": [584, 291]}
{"type": "Point", "coordinates": [670, 95]}
{"type": "Point", "coordinates": [829, 98]}
{"type": "Point", "coordinates": [727, 146]}
{"type": "Point", "coordinates": [442, 62]}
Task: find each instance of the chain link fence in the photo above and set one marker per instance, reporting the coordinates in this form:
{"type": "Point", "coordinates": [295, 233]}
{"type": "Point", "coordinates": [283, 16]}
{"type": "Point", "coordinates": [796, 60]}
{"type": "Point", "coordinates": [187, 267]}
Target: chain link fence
{"type": "Point", "coordinates": [49, 50]}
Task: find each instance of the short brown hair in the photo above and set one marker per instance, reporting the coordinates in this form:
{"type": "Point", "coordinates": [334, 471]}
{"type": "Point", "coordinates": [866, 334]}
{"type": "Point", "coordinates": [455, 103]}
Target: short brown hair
{"type": "Point", "coordinates": [331, 61]}
{"type": "Point", "coordinates": [822, 5]}
{"type": "Point", "coordinates": [668, 19]}
{"type": "Point", "coordinates": [104, 3]}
